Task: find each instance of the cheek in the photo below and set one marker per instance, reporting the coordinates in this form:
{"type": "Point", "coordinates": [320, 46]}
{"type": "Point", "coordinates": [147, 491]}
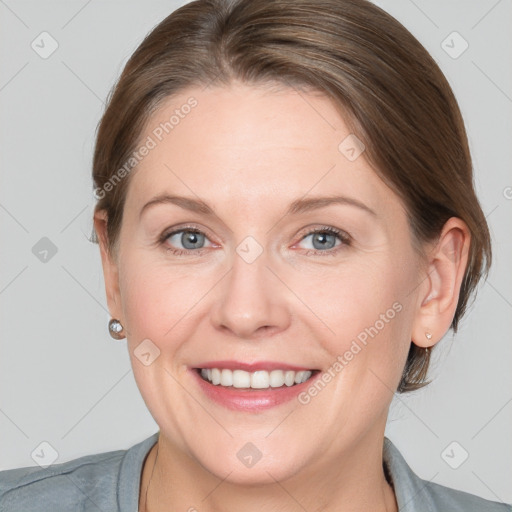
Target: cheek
{"type": "Point", "coordinates": [369, 315]}
{"type": "Point", "coordinates": [163, 302]}
{"type": "Point", "coordinates": [154, 298]}
{"type": "Point", "coordinates": [357, 298]}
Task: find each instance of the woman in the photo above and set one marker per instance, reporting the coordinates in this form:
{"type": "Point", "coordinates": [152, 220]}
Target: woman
{"type": "Point", "coordinates": [287, 225]}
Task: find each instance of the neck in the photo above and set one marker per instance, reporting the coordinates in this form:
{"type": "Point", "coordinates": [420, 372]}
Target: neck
{"type": "Point", "coordinates": [353, 482]}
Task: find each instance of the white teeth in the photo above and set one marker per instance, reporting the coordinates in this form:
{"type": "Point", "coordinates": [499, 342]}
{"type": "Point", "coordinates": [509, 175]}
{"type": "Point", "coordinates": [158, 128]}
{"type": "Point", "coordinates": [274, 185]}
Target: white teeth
{"type": "Point", "coordinates": [241, 379]}
{"type": "Point", "coordinates": [301, 378]}
{"type": "Point", "coordinates": [215, 376]}
{"type": "Point", "coordinates": [276, 379]}
{"type": "Point", "coordinates": [260, 379]}
{"type": "Point", "coordinates": [226, 378]}
{"type": "Point", "coordinates": [289, 378]}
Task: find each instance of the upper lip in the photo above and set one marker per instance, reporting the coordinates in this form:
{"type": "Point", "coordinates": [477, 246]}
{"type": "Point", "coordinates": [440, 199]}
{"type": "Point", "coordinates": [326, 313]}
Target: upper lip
{"type": "Point", "coordinates": [252, 367]}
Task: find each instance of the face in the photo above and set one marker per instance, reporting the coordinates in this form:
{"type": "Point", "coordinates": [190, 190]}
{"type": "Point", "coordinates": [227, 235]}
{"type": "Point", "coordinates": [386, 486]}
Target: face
{"type": "Point", "coordinates": [263, 278]}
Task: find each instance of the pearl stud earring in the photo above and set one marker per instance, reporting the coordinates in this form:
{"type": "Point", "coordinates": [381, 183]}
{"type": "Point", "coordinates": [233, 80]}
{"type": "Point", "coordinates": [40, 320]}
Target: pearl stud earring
{"type": "Point", "coordinates": [115, 329]}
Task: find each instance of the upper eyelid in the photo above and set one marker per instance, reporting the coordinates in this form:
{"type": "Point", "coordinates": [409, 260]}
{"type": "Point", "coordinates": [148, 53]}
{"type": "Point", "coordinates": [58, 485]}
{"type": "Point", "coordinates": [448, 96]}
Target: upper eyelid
{"type": "Point", "coordinates": [174, 231]}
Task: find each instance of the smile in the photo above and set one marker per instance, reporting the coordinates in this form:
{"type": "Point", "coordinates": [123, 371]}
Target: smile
{"type": "Point", "coordinates": [261, 379]}
{"type": "Point", "coordinates": [254, 387]}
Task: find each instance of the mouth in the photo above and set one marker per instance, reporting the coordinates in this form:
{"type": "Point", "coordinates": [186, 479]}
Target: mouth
{"type": "Point", "coordinates": [252, 387]}
{"type": "Point", "coordinates": [238, 379]}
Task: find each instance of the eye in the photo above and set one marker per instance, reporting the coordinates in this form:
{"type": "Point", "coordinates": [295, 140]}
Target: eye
{"type": "Point", "coordinates": [191, 240]}
{"type": "Point", "coordinates": [323, 240]}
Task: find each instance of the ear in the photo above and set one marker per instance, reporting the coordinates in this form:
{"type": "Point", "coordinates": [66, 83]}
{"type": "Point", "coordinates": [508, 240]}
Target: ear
{"type": "Point", "coordinates": [439, 292]}
{"type": "Point", "coordinates": [110, 266]}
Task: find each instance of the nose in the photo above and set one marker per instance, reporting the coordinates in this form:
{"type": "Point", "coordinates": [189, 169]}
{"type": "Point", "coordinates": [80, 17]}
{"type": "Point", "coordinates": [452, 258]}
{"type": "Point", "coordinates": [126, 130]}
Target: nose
{"type": "Point", "coordinates": [252, 301]}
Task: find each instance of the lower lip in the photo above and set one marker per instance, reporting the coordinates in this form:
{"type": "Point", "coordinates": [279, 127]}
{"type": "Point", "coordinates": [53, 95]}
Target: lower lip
{"type": "Point", "coordinates": [248, 399]}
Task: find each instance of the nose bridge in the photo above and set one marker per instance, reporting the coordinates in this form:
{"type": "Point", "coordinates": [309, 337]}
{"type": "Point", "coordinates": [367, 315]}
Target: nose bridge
{"type": "Point", "coordinates": [250, 297]}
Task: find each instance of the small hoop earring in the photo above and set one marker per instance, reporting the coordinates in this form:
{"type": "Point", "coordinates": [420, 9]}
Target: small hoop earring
{"type": "Point", "coordinates": [115, 329]}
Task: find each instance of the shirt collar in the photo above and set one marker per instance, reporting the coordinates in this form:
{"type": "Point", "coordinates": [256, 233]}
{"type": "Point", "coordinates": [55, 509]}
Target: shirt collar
{"type": "Point", "coordinates": [409, 488]}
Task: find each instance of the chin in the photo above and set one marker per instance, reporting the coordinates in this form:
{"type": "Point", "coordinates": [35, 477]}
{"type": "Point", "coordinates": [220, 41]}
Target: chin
{"type": "Point", "coordinates": [250, 467]}
{"type": "Point", "coordinates": [256, 476]}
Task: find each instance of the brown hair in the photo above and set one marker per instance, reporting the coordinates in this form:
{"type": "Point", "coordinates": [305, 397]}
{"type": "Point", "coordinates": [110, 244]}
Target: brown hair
{"type": "Point", "coordinates": [389, 89]}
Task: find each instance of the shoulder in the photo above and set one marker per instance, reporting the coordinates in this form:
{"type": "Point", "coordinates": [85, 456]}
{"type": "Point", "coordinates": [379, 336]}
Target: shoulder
{"type": "Point", "coordinates": [91, 482]}
{"type": "Point", "coordinates": [414, 494]}
{"type": "Point", "coordinates": [71, 484]}
{"type": "Point", "coordinates": [445, 498]}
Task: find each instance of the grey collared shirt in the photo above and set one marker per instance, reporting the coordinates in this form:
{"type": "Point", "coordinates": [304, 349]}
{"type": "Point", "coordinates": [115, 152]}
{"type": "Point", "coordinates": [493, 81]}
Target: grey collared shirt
{"type": "Point", "coordinates": [109, 482]}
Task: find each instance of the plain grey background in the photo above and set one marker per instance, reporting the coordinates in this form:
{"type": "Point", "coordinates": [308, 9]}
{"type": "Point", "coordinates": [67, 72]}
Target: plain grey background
{"type": "Point", "coordinates": [63, 380]}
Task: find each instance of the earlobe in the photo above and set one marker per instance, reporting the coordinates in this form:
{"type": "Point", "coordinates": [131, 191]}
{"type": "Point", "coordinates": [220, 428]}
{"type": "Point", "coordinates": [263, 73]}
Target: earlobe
{"type": "Point", "coordinates": [439, 294]}
{"type": "Point", "coordinates": [110, 268]}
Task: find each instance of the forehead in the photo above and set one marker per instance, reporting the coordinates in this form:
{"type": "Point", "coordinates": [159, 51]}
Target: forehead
{"type": "Point", "coordinates": [253, 145]}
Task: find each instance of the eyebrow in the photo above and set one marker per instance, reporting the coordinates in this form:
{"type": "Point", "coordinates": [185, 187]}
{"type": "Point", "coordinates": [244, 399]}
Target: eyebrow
{"type": "Point", "coordinates": [296, 207]}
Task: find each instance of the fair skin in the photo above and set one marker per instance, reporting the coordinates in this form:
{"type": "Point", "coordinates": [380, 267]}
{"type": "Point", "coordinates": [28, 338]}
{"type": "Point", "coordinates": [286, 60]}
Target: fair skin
{"type": "Point", "coordinates": [249, 152]}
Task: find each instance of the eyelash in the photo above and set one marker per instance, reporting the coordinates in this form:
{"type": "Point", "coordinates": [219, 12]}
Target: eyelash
{"type": "Point", "coordinates": [343, 237]}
